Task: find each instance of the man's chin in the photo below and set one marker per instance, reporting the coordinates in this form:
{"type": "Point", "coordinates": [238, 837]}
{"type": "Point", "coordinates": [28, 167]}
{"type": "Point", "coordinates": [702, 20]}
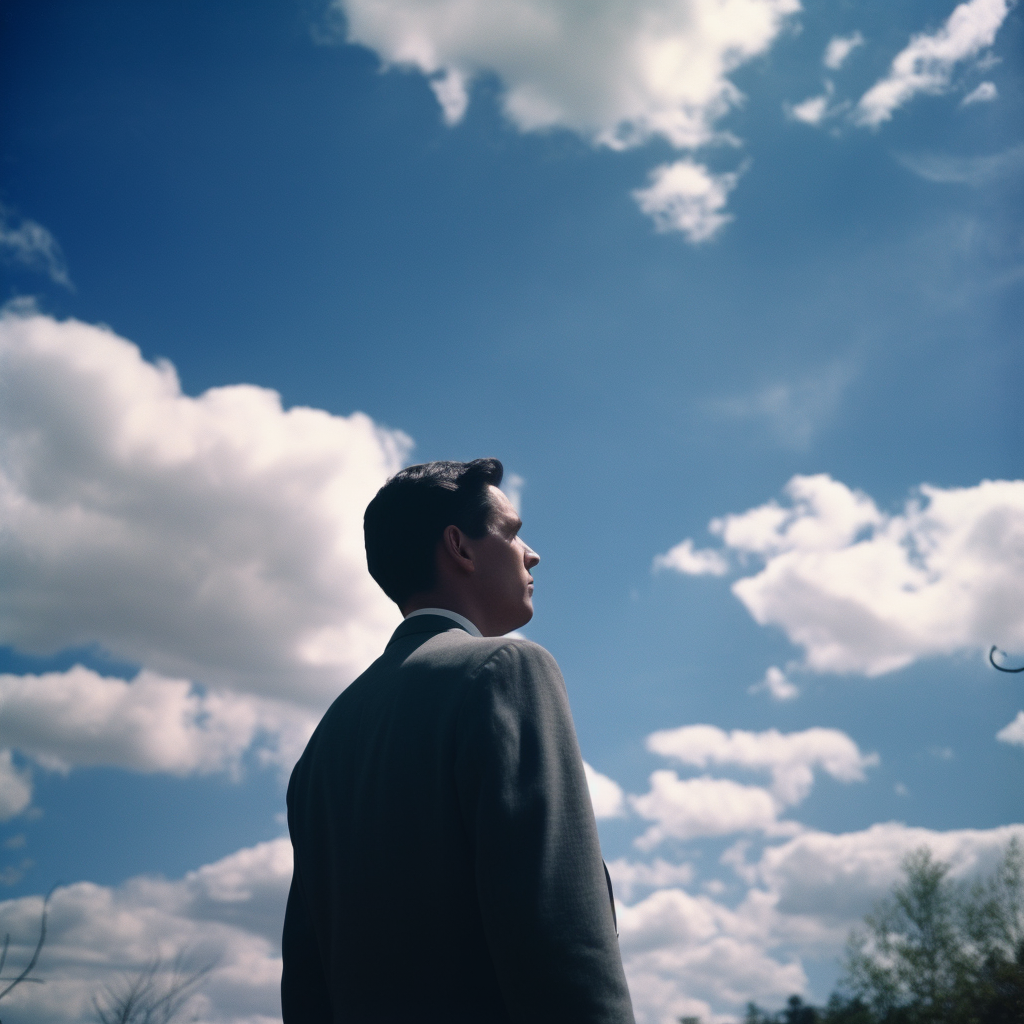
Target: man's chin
{"type": "Point", "coordinates": [519, 621]}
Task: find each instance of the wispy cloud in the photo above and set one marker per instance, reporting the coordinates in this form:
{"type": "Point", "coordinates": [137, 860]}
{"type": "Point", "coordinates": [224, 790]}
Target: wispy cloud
{"type": "Point", "coordinates": [812, 110]}
{"type": "Point", "coordinates": [792, 411]}
{"type": "Point", "coordinates": [29, 244]}
{"type": "Point", "coordinates": [986, 92]}
{"type": "Point", "coordinates": [927, 63]}
{"type": "Point", "coordinates": [1014, 732]}
{"type": "Point", "coordinates": [839, 48]}
{"type": "Point", "coordinates": [975, 171]}
{"type": "Point", "coordinates": [776, 684]}
{"type": "Point", "coordinates": [683, 558]}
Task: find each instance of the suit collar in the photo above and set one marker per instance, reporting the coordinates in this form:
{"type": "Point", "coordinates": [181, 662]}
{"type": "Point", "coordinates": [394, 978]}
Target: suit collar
{"type": "Point", "coordinates": [425, 624]}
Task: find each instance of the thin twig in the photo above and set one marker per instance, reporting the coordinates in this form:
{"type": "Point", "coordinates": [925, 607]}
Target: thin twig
{"type": "Point", "coordinates": [1001, 668]}
{"type": "Point", "coordinates": [39, 945]}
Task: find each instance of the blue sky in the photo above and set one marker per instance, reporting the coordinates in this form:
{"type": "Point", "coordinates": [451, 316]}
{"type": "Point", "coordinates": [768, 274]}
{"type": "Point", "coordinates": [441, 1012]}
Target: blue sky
{"type": "Point", "coordinates": [662, 259]}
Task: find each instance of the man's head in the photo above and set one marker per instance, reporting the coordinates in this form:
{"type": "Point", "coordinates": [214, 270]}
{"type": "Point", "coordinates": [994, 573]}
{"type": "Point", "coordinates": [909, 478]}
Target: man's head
{"type": "Point", "coordinates": [442, 534]}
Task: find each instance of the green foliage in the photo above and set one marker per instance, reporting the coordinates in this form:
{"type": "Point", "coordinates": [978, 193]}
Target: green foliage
{"type": "Point", "coordinates": [938, 953]}
{"type": "Point", "coordinates": [933, 952]}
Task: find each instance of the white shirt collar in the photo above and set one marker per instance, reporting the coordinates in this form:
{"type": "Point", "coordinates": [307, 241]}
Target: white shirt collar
{"type": "Point", "coordinates": [468, 626]}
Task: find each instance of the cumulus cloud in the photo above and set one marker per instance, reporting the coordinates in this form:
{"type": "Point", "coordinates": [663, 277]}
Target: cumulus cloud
{"type": "Point", "coordinates": [837, 878]}
{"type": "Point", "coordinates": [865, 591]}
{"type": "Point", "coordinates": [684, 559]}
{"type": "Point", "coordinates": [216, 538]}
{"type": "Point", "coordinates": [790, 757]}
{"type": "Point", "coordinates": [926, 65]}
{"type": "Point", "coordinates": [630, 876]}
{"type": "Point", "coordinates": [228, 913]}
{"type": "Point", "coordinates": [839, 48]}
{"type": "Point", "coordinates": [686, 809]}
{"type": "Point", "coordinates": [152, 724]}
{"type": "Point", "coordinates": [605, 794]}
{"type": "Point", "coordinates": [690, 808]}
{"type": "Point", "coordinates": [685, 196]}
{"type": "Point", "coordinates": [986, 92]}
{"type": "Point", "coordinates": [616, 74]}
{"type": "Point", "coordinates": [1014, 732]}
{"type": "Point", "coordinates": [976, 171]}
{"type": "Point", "coordinates": [31, 245]}
{"type": "Point", "coordinates": [689, 954]}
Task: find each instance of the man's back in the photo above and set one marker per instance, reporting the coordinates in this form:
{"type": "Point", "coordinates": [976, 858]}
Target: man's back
{"type": "Point", "coordinates": [447, 864]}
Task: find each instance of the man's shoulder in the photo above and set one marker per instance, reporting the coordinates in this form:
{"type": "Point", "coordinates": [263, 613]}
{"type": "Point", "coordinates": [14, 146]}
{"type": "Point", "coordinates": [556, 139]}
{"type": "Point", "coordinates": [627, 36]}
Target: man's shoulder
{"type": "Point", "coordinates": [456, 651]}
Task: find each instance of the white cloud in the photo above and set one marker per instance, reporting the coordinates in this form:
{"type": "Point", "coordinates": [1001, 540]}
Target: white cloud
{"type": "Point", "coordinates": [976, 171]}
{"type": "Point", "coordinates": [986, 92]}
{"type": "Point", "coordinates": [684, 559]}
{"type": "Point", "coordinates": [616, 74]}
{"type": "Point", "coordinates": [837, 878]}
{"type": "Point", "coordinates": [31, 245]}
{"type": "Point", "coordinates": [217, 538]}
{"type": "Point", "coordinates": [77, 718]}
{"type": "Point", "coordinates": [15, 787]}
{"type": "Point", "coordinates": [229, 912]}
{"type": "Point", "coordinates": [629, 876]}
{"type": "Point", "coordinates": [605, 794]}
{"type": "Point", "coordinates": [926, 65]}
{"type": "Point", "coordinates": [1014, 732]}
{"type": "Point", "coordinates": [868, 592]}
{"type": "Point", "coordinates": [776, 684]}
{"type": "Point", "coordinates": [839, 48]}
{"type": "Point", "coordinates": [450, 89]}
{"type": "Point", "coordinates": [513, 486]}
{"type": "Point", "coordinates": [812, 110]}
{"type": "Point", "coordinates": [688, 954]}
{"type": "Point", "coordinates": [685, 196]}
{"type": "Point", "coordinates": [689, 808]}
{"type": "Point", "coordinates": [790, 757]}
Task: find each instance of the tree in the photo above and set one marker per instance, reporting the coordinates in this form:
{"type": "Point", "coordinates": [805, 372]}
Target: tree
{"type": "Point", "coordinates": [938, 953]}
{"type": "Point", "coordinates": [933, 952]}
{"type": "Point", "coordinates": [152, 995]}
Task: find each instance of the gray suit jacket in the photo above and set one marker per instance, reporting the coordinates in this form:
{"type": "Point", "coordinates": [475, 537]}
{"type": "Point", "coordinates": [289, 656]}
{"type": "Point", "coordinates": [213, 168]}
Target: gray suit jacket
{"type": "Point", "coordinates": [447, 865]}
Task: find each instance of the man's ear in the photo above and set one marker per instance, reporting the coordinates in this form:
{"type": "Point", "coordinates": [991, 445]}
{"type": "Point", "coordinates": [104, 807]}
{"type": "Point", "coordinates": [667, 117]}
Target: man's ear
{"type": "Point", "coordinates": [456, 550]}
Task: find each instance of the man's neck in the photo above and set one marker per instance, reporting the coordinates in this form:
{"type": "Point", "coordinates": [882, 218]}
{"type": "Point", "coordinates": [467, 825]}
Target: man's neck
{"type": "Point", "coordinates": [468, 625]}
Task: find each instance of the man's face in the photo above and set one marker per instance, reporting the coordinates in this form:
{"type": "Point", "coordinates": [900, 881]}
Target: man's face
{"type": "Point", "coordinates": [503, 562]}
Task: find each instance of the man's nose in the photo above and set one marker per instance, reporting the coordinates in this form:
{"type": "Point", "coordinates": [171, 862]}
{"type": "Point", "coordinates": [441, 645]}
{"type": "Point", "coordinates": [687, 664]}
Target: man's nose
{"type": "Point", "coordinates": [530, 557]}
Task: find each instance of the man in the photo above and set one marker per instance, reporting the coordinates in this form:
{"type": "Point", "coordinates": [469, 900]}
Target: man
{"type": "Point", "coordinates": [447, 866]}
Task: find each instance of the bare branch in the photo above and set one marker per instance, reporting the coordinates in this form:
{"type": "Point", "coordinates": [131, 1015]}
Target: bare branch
{"type": "Point", "coordinates": [142, 999]}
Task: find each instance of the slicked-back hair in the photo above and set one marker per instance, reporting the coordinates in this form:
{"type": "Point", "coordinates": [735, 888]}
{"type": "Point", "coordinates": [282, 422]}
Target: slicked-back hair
{"type": "Point", "coordinates": [408, 515]}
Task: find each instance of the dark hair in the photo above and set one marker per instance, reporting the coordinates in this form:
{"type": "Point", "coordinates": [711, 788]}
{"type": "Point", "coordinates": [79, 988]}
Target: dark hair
{"type": "Point", "coordinates": [406, 519]}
